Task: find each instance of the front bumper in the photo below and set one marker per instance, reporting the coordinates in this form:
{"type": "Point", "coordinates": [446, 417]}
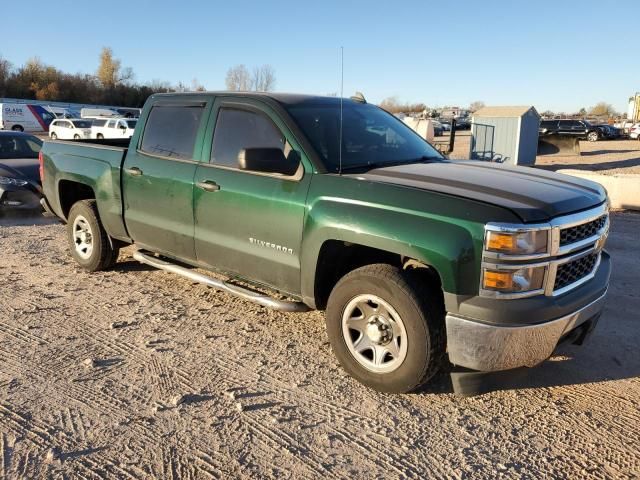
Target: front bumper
{"type": "Point", "coordinates": [19, 198]}
{"type": "Point", "coordinates": [490, 346]}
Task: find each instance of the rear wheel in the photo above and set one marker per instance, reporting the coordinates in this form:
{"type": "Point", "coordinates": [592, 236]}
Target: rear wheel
{"type": "Point", "coordinates": [99, 136]}
{"type": "Point", "coordinates": [88, 241]}
{"type": "Point", "coordinates": [76, 137]}
{"type": "Point", "coordinates": [17, 128]}
{"type": "Point", "coordinates": [386, 328]}
{"type": "Point", "coordinates": [593, 136]}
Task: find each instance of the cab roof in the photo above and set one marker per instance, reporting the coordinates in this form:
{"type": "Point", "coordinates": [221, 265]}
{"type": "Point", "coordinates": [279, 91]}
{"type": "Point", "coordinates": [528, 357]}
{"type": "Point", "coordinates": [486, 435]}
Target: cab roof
{"type": "Point", "coordinates": [285, 99]}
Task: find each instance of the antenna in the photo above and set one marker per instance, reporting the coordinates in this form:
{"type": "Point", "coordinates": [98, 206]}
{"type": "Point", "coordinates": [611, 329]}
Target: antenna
{"type": "Point", "coordinates": [341, 95]}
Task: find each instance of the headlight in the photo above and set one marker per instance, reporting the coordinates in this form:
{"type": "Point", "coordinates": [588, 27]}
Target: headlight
{"type": "Point", "coordinates": [517, 243]}
{"type": "Point", "coordinates": [13, 181]}
{"type": "Point", "coordinates": [514, 281]}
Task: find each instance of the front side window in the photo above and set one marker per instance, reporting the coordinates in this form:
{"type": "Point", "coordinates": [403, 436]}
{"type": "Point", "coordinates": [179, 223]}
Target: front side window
{"type": "Point", "coordinates": [370, 136]}
{"type": "Point", "coordinates": [242, 129]}
{"type": "Point", "coordinates": [171, 131]}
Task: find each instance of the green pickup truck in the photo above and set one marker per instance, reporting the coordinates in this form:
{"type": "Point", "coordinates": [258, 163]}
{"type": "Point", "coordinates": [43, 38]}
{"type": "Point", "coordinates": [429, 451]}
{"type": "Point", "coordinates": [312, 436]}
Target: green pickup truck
{"type": "Point", "coordinates": [305, 202]}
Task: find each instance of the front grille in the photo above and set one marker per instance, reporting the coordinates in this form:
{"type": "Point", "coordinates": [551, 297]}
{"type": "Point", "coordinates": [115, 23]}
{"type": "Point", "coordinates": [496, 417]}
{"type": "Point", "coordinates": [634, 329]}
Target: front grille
{"type": "Point", "coordinates": [571, 272]}
{"type": "Point", "coordinates": [580, 232]}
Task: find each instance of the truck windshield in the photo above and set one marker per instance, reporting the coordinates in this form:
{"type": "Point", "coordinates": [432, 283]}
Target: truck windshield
{"type": "Point", "coordinates": [371, 137]}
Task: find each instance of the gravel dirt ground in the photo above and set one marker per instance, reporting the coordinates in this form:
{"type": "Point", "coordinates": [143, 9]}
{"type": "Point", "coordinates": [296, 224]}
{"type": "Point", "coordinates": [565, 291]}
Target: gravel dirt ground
{"type": "Point", "coordinates": [609, 157]}
{"type": "Point", "coordinates": [136, 373]}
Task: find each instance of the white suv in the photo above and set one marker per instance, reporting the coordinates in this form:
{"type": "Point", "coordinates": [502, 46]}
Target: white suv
{"type": "Point", "coordinates": [112, 127]}
{"type": "Point", "coordinates": [70, 129]}
{"type": "Point", "coordinates": [634, 131]}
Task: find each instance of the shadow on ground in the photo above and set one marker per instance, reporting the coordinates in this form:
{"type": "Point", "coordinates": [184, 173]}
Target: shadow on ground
{"type": "Point", "coordinates": [16, 218]}
{"type": "Point", "coordinates": [595, 167]}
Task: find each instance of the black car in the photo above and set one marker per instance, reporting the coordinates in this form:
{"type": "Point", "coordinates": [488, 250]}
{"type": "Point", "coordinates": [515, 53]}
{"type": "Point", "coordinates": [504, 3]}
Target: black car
{"type": "Point", "coordinates": [576, 128]}
{"type": "Point", "coordinates": [609, 132]}
{"type": "Point", "coordinates": [20, 186]}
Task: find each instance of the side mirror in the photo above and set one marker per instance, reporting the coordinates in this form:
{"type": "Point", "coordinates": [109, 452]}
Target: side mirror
{"type": "Point", "coordinates": [268, 160]}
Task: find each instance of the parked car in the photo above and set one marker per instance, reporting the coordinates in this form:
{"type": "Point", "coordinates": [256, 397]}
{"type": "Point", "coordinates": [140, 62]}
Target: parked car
{"type": "Point", "coordinates": [112, 128]}
{"type": "Point", "coordinates": [634, 131]}
{"type": "Point", "coordinates": [70, 129]}
{"type": "Point", "coordinates": [579, 128]}
{"type": "Point", "coordinates": [438, 128]}
{"type": "Point", "coordinates": [415, 258]}
{"type": "Point", "coordinates": [23, 117]}
{"type": "Point", "coordinates": [608, 132]}
{"type": "Point", "coordinates": [98, 113]}
{"type": "Point", "coordinates": [19, 178]}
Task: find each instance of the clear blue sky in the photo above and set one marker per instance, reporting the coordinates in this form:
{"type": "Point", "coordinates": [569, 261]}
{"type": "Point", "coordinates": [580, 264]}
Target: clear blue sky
{"type": "Point", "coordinates": [559, 55]}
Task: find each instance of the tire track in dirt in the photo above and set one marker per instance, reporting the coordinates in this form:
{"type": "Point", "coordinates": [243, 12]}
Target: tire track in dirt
{"type": "Point", "coordinates": [334, 417]}
{"type": "Point", "coordinates": [36, 433]}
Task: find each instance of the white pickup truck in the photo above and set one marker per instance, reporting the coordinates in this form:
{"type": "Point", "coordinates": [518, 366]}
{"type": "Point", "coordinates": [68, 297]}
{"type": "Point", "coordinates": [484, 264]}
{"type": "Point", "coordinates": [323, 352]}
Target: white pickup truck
{"type": "Point", "coordinates": [112, 127]}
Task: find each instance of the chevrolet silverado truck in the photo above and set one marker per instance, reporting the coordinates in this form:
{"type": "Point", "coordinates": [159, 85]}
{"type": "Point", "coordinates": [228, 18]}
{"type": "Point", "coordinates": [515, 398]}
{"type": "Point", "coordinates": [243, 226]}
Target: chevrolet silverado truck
{"type": "Point", "coordinates": [304, 202]}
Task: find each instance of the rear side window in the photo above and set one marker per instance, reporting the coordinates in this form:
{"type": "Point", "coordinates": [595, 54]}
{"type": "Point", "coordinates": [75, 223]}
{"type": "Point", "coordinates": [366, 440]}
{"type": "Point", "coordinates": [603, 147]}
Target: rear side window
{"type": "Point", "coordinates": [240, 129]}
{"type": "Point", "coordinates": [98, 123]}
{"type": "Point", "coordinates": [171, 131]}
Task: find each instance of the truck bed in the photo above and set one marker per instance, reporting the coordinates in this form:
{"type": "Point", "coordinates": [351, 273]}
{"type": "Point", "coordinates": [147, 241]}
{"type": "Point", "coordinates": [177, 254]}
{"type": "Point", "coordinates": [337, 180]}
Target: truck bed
{"type": "Point", "coordinates": [96, 164]}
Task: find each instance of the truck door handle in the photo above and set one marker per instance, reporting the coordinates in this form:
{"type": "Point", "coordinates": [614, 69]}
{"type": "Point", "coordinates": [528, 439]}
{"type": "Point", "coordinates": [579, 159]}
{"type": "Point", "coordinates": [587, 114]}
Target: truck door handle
{"type": "Point", "coordinates": [208, 186]}
{"type": "Point", "coordinates": [134, 171]}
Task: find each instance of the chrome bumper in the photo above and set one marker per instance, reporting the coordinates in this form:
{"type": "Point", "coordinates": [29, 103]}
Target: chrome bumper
{"type": "Point", "coordinates": [489, 348]}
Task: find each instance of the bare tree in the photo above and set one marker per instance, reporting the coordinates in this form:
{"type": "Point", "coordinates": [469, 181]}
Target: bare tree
{"type": "Point", "coordinates": [475, 106]}
{"type": "Point", "coordinates": [603, 109]}
{"type": "Point", "coordinates": [264, 78]}
{"type": "Point", "coordinates": [196, 86]}
{"type": "Point", "coordinates": [238, 78]}
{"type": "Point", "coordinates": [393, 105]}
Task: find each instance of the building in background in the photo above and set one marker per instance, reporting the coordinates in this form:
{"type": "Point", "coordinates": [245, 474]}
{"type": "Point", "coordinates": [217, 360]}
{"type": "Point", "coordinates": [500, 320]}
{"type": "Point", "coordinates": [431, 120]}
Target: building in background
{"type": "Point", "coordinates": [506, 135]}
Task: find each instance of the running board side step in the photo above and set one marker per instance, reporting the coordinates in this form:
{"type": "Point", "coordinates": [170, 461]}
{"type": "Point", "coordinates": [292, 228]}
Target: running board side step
{"type": "Point", "coordinates": [260, 299]}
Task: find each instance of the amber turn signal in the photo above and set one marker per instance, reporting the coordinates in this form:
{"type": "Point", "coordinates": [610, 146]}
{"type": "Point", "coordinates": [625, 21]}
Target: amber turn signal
{"type": "Point", "coordinates": [501, 241]}
{"type": "Point", "coordinates": [498, 280]}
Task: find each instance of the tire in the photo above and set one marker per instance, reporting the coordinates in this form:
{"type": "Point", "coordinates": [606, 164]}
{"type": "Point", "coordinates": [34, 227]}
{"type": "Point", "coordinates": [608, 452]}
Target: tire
{"type": "Point", "coordinates": [17, 128]}
{"type": "Point", "coordinates": [54, 136]}
{"type": "Point", "coordinates": [99, 136]}
{"type": "Point", "coordinates": [411, 348]}
{"type": "Point", "coordinates": [94, 250]}
{"type": "Point", "coordinates": [76, 137]}
{"type": "Point", "coordinates": [593, 136]}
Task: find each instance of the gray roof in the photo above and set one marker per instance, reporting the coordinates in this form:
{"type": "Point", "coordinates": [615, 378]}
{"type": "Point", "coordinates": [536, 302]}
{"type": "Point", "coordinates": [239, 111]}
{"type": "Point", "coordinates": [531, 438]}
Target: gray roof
{"type": "Point", "coordinates": [503, 111]}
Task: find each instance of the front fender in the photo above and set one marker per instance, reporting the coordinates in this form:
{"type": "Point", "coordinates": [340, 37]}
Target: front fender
{"type": "Point", "coordinates": [442, 231]}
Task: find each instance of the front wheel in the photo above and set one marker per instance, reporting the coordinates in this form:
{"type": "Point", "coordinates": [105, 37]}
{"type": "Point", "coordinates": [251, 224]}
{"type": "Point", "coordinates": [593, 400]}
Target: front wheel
{"type": "Point", "coordinates": [54, 136]}
{"type": "Point", "coordinates": [76, 137]}
{"type": "Point", "coordinates": [386, 328]}
{"type": "Point", "coordinates": [88, 241]}
{"type": "Point", "coordinates": [592, 136]}
{"type": "Point", "coordinates": [99, 136]}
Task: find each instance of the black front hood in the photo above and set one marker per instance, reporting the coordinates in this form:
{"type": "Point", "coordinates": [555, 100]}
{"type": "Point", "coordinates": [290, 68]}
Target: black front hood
{"type": "Point", "coordinates": [534, 195]}
{"type": "Point", "coordinates": [22, 168]}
